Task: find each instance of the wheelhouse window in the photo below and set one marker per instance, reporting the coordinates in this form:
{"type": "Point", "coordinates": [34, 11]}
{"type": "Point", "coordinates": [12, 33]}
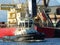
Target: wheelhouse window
{"type": "Point", "coordinates": [26, 24]}
{"type": "Point", "coordinates": [30, 23]}
{"type": "Point", "coordinates": [21, 24]}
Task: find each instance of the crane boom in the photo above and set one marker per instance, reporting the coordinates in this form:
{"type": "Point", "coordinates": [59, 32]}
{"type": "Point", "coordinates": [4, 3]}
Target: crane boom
{"type": "Point", "coordinates": [46, 2]}
{"type": "Point", "coordinates": [10, 6]}
{"type": "Point", "coordinates": [7, 6]}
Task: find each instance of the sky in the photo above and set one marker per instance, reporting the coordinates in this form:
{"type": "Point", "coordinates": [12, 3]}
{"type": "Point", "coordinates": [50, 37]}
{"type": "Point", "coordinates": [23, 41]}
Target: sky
{"type": "Point", "coordinates": [3, 14]}
{"type": "Point", "coordinates": [54, 2]}
{"type": "Point", "coordinates": [11, 1]}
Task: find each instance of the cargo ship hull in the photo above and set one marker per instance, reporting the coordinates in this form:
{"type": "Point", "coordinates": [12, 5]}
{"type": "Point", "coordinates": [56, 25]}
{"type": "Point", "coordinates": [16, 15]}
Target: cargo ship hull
{"type": "Point", "coordinates": [49, 32]}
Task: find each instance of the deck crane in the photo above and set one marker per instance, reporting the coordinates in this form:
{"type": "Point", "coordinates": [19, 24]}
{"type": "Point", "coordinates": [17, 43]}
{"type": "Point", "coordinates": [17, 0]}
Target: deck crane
{"type": "Point", "coordinates": [45, 14]}
{"type": "Point", "coordinates": [12, 9]}
{"type": "Point", "coordinates": [47, 10]}
{"type": "Point", "coordinates": [50, 31]}
{"type": "Point", "coordinates": [10, 6]}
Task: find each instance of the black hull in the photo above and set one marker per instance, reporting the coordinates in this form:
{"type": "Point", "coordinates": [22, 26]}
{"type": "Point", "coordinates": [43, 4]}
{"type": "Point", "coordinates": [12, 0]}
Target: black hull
{"type": "Point", "coordinates": [27, 37]}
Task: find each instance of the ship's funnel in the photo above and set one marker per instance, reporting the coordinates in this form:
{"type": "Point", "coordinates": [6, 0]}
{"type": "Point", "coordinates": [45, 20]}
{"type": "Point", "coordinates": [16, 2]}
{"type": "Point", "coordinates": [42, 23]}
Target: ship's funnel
{"type": "Point", "coordinates": [32, 8]}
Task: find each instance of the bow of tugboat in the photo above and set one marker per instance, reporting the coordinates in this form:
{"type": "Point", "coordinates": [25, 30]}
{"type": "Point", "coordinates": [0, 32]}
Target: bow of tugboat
{"type": "Point", "coordinates": [28, 35]}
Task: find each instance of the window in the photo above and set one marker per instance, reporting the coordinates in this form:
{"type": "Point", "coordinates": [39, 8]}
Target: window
{"type": "Point", "coordinates": [58, 11]}
{"type": "Point", "coordinates": [21, 24]}
{"type": "Point", "coordinates": [30, 23]}
{"type": "Point", "coordinates": [26, 24]}
{"type": "Point", "coordinates": [23, 15]}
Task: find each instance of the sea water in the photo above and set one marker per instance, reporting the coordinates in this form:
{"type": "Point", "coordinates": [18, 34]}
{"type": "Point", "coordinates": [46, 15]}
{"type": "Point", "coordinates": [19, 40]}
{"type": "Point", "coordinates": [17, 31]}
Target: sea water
{"type": "Point", "coordinates": [48, 41]}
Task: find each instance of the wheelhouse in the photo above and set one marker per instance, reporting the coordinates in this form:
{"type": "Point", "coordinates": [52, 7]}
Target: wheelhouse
{"type": "Point", "coordinates": [26, 24]}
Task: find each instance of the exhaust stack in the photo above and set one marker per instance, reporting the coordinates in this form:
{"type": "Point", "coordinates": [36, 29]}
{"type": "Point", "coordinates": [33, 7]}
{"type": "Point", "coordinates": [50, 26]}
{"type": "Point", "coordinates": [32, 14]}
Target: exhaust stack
{"type": "Point", "coordinates": [32, 7]}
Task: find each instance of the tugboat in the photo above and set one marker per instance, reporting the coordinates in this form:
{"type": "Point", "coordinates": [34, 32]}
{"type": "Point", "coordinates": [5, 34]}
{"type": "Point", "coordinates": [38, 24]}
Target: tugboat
{"type": "Point", "coordinates": [27, 31]}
